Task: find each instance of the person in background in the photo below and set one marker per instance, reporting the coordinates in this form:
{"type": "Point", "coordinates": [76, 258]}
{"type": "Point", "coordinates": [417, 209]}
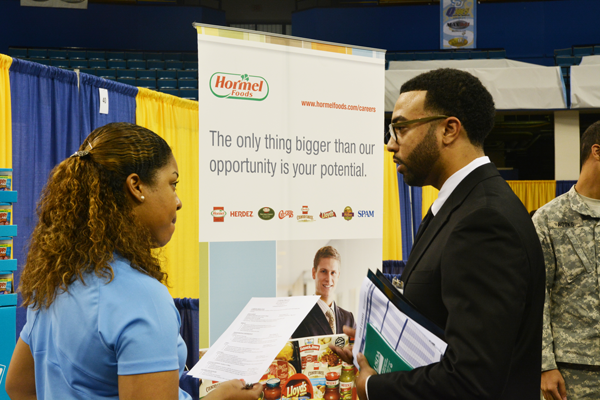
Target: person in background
{"type": "Point", "coordinates": [100, 322]}
{"type": "Point", "coordinates": [326, 318]}
{"type": "Point", "coordinates": [568, 228]}
{"type": "Point", "coordinates": [476, 268]}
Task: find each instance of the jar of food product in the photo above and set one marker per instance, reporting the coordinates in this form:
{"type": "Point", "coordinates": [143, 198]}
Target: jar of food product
{"type": "Point", "coordinates": [332, 390]}
{"type": "Point", "coordinates": [346, 381]}
{"type": "Point", "coordinates": [273, 389]}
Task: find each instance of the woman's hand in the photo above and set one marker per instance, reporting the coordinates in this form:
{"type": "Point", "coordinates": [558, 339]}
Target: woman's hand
{"type": "Point", "coordinates": [235, 390]}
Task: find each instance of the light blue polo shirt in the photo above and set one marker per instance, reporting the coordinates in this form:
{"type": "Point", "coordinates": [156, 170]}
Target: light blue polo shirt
{"type": "Point", "coordinates": [97, 331]}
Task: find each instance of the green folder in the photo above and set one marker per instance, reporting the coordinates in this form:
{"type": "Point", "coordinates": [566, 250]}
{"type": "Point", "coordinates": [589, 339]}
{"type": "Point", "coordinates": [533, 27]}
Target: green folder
{"type": "Point", "coordinates": [381, 355]}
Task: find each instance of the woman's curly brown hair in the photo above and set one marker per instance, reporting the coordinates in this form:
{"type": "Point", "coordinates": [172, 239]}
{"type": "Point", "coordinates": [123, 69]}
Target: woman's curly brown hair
{"type": "Point", "coordinates": [85, 216]}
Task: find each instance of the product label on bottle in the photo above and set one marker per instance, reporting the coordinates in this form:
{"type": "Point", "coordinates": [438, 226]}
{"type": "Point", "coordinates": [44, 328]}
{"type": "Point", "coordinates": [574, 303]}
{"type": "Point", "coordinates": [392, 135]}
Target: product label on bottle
{"type": "Point", "coordinates": [333, 383]}
{"type": "Point", "coordinates": [346, 390]}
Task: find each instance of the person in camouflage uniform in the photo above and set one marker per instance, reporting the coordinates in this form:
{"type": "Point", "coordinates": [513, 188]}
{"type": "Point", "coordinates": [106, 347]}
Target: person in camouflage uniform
{"type": "Point", "coordinates": [569, 231]}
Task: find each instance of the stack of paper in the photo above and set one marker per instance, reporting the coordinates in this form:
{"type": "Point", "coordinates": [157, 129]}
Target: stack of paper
{"type": "Point", "coordinates": [391, 333]}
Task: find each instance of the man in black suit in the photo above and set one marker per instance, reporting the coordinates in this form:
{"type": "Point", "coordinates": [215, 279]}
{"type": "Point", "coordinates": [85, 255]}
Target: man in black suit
{"type": "Point", "coordinates": [326, 318]}
{"type": "Point", "coordinates": [476, 268]}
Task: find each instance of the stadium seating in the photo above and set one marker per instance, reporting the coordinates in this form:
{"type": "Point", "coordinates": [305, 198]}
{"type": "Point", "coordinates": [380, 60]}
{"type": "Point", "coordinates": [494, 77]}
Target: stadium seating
{"type": "Point", "coordinates": [126, 73]}
{"type": "Point", "coordinates": [38, 53]}
{"type": "Point", "coordinates": [168, 74]}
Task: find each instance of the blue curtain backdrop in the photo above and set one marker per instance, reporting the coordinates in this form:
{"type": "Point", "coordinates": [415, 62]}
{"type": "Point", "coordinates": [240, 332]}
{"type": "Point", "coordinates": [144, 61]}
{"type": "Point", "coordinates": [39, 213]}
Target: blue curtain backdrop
{"type": "Point", "coordinates": [563, 187]}
{"type": "Point", "coordinates": [411, 199]}
{"type": "Point", "coordinates": [50, 119]}
{"type": "Point", "coordinates": [190, 332]}
{"type": "Point", "coordinates": [45, 130]}
{"type": "Point", "coordinates": [121, 103]}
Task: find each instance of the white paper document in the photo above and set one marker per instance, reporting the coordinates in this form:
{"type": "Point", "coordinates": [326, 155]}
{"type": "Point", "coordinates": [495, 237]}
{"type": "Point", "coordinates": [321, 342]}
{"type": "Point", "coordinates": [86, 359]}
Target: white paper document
{"type": "Point", "coordinates": [247, 348]}
{"type": "Point", "coordinates": [411, 341]}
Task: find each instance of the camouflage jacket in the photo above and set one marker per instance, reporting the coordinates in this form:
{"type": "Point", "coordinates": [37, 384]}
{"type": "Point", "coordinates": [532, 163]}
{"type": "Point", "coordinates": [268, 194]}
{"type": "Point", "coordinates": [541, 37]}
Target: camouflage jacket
{"type": "Point", "coordinates": [570, 234]}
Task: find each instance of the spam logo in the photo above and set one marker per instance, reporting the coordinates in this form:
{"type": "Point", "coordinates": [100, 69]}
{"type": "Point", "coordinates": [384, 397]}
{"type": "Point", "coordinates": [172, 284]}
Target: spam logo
{"type": "Point", "coordinates": [226, 85]}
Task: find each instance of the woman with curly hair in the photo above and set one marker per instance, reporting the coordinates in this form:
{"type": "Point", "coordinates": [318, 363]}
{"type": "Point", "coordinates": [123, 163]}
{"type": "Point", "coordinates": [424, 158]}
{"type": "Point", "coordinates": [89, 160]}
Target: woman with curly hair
{"type": "Point", "coordinates": [100, 324]}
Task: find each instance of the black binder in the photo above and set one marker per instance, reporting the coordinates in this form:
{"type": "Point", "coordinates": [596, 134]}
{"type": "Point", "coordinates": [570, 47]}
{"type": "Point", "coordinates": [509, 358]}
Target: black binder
{"type": "Point", "coordinates": [403, 304]}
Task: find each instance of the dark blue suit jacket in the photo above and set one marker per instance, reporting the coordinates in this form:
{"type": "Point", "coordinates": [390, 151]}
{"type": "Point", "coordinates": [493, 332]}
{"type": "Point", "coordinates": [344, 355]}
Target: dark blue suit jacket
{"type": "Point", "coordinates": [316, 324]}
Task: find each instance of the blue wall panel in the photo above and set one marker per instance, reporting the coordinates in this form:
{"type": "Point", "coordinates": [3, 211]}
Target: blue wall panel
{"type": "Point", "coordinates": [529, 31]}
{"type": "Point", "coordinates": [104, 26]}
{"type": "Point", "coordinates": [238, 272]}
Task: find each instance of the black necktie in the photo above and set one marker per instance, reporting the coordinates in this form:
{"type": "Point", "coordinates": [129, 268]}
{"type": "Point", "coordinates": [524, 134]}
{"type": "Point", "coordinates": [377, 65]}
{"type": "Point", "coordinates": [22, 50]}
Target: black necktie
{"type": "Point", "coordinates": [428, 217]}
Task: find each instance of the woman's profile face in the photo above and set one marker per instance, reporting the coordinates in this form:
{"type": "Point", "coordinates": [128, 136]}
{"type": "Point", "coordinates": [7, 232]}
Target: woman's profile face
{"type": "Point", "coordinates": [158, 210]}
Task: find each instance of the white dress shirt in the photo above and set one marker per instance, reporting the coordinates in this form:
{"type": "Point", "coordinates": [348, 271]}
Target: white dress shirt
{"type": "Point", "coordinates": [452, 182]}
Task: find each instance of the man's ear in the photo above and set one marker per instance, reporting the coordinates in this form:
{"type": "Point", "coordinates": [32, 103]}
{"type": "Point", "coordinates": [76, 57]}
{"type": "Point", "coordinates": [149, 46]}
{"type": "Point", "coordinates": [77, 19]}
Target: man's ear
{"type": "Point", "coordinates": [452, 129]}
{"type": "Point", "coordinates": [134, 186]}
{"type": "Point", "coordinates": [314, 273]}
{"type": "Point", "coordinates": [596, 152]}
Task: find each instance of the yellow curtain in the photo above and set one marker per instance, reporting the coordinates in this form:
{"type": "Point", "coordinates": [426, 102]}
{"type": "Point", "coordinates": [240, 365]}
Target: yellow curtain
{"type": "Point", "coordinates": [5, 114]}
{"type": "Point", "coordinates": [534, 194]}
{"type": "Point", "coordinates": [392, 235]}
{"type": "Point", "coordinates": [176, 121]}
{"type": "Point", "coordinates": [430, 194]}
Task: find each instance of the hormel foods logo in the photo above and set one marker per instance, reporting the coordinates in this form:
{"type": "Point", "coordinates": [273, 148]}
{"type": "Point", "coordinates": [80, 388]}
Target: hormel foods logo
{"type": "Point", "coordinates": [287, 213]}
{"type": "Point", "coordinates": [235, 86]}
{"type": "Point", "coordinates": [218, 214]}
{"type": "Point", "coordinates": [328, 214]}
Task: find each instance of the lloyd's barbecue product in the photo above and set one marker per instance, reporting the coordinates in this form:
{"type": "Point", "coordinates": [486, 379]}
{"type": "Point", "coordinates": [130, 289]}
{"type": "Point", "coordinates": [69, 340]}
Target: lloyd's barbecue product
{"type": "Point", "coordinates": [297, 387]}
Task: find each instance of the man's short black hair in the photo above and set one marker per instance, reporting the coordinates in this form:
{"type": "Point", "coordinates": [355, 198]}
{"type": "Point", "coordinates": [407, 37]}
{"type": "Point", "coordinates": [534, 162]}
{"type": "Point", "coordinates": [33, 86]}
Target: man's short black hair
{"type": "Point", "coordinates": [590, 137]}
{"type": "Point", "coordinates": [457, 94]}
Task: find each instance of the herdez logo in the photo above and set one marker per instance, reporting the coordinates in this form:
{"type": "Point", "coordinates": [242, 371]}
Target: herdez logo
{"type": "Point", "coordinates": [241, 214]}
{"type": "Point", "coordinates": [266, 213]}
{"type": "Point", "coordinates": [236, 86]}
{"type": "Point", "coordinates": [218, 214]}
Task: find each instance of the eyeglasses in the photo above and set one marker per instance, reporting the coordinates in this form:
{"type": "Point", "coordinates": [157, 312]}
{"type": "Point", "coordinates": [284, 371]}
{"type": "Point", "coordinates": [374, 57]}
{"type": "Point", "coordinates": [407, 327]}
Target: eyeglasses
{"type": "Point", "coordinates": [394, 128]}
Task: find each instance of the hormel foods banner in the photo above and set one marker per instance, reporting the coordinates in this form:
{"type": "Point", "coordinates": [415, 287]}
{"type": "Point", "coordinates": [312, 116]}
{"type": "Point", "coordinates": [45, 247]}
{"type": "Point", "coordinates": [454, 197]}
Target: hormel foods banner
{"type": "Point", "coordinates": [290, 161]}
{"type": "Point", "coordinates": [290, 138]}
{"type": "Point", "coordinates": [458, 19]}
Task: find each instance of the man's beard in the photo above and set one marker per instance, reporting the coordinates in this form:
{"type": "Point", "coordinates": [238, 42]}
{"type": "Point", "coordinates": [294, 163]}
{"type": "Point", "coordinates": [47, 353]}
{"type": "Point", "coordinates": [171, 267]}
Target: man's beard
{"type": "Point", "coordinates": [420, 161]}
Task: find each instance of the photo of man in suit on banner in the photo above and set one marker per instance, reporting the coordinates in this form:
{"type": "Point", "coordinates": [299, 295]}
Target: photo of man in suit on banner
{"type": "Point", "coordinates": [326, 318]}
